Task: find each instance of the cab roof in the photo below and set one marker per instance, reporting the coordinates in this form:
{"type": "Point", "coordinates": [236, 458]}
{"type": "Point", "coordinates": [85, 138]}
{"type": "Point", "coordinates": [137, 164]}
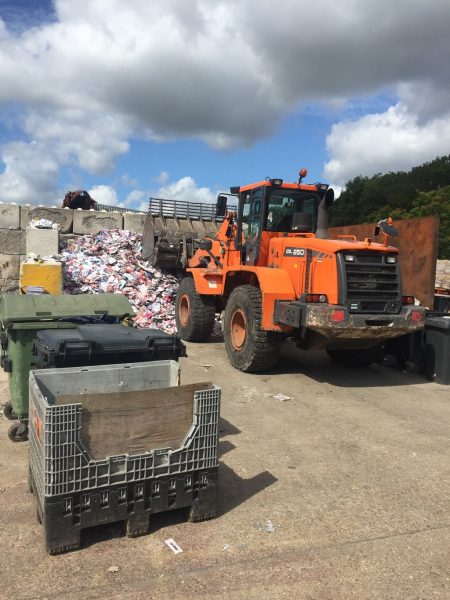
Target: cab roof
{"type": "Point", "coordinates": [288, 186]}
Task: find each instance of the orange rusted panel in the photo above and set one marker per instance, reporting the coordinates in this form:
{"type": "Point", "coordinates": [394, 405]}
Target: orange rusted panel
{"type": "Point", "coordinates": [417, 243]}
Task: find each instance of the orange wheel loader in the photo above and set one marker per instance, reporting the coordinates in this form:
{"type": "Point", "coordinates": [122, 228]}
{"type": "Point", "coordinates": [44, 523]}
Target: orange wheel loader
{"type": "Point", "coordinates": [269, 265]}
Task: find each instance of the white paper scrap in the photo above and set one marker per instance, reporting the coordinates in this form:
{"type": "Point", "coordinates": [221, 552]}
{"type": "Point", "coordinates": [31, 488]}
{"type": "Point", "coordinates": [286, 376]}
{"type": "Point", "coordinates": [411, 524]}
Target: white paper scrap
{"type": "Point", "coordinates": [282, 397]}
{"type": "Point", "coordinates": [171, 543]}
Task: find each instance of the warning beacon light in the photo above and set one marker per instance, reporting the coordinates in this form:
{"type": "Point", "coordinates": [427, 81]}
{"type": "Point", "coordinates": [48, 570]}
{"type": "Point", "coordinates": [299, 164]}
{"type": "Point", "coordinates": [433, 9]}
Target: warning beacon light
{"type": "Point", "coordinates": [302, 174]}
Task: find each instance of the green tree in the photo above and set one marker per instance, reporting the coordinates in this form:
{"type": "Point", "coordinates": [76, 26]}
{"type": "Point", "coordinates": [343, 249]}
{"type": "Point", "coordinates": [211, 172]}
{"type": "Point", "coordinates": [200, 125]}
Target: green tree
{"type": "Point", "coordinates": [436, 202]}
{"type": "Point", "coordinates": [423, 191]}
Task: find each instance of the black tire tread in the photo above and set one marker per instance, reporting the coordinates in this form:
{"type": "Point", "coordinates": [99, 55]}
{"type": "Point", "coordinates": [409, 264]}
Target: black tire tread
{"type": "Point", "coordinates": [8, 412]}
{"type": "Point", "coordinates": [203, 313]}
{"type": "Point", "coordinates": [14, 436]}
{"type": "Point", "coordinates": [265, 350]}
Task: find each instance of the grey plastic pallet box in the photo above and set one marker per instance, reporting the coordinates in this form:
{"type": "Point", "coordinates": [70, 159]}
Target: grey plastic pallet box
{"type": "Point", "coordinates": [119, 443]}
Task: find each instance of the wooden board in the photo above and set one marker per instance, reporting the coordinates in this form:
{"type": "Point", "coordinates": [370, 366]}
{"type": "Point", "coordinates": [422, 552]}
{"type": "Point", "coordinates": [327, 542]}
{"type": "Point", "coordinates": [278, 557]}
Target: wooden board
{"type": "Point", "coordinates": [134, 422]}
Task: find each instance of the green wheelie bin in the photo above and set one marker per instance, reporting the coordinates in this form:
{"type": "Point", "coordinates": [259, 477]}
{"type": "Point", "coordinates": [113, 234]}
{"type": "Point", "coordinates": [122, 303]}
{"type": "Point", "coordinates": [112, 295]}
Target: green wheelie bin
{"type": "Point", "coordinates": [21, 317]}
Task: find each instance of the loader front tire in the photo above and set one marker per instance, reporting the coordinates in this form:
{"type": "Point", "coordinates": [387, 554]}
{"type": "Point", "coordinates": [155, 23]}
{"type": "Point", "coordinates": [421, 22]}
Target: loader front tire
{"type": "Point", "coordinates": [249, 347]}
{"type": "Point", "coordinates": [194, 313]}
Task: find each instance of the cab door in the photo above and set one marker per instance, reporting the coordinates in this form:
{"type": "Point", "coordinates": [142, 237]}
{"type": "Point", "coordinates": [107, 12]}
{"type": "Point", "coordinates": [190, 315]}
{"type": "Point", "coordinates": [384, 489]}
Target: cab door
{"type": "Point", "coordinates": [251, 224]}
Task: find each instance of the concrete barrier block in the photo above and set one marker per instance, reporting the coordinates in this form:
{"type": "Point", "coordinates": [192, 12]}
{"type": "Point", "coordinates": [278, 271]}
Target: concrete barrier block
{"type": "Point", "coordinates": [12, 241]}
{"type": "Point", "coordinates": [9, 266]}
{"type": "Point", "coordinates": [24, 212]}
{"type": "Point", "coordinates": [44, 242]}
{"type": "Point", "coordinates": [91, 221]}
{"type": "Point", "coordinates": [62, 216]}
{"type": "Point", "coordinates": [9, 286]}
{"type": "Point", "coordinates": [9, 216]}
{"type": "Point", "coordinates": [134, 222]}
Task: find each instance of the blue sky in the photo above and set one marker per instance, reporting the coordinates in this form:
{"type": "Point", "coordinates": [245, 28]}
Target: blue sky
{"type": "Point", "coordinates": [183, 98]}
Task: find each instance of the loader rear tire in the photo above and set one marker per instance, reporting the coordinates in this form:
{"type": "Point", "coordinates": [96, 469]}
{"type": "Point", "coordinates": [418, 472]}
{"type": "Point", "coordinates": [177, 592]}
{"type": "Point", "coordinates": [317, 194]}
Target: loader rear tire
{"type": "Point", "coordinates": [249, 347]}
{"type": "Point", "coordinates": [194, 313]}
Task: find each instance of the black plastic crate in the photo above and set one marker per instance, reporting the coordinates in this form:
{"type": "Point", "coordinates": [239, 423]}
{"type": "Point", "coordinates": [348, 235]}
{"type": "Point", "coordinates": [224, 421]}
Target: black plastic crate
{"type": "Point", "coordinates": [64, 517]}
{"type": "Point", "coordinates": [442, 303]}
{"type": "Point", "coordinates": [104, 344]}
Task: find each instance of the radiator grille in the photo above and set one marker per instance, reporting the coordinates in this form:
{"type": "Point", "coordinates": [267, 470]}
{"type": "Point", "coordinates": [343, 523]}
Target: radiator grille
{"type": "Point", "coordinates": [372, 284]}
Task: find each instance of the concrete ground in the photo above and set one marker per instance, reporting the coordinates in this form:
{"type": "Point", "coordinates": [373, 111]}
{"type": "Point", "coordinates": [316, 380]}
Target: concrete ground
{"type": "Point", "coordinates": [342, 491]}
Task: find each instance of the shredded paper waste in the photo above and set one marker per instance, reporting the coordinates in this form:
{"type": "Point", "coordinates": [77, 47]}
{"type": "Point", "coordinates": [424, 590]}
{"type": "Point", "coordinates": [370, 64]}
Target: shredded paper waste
{"type": "Point", "coordinates": [42, 224]}
{"type": "Point", "coordinates": [111, 261]}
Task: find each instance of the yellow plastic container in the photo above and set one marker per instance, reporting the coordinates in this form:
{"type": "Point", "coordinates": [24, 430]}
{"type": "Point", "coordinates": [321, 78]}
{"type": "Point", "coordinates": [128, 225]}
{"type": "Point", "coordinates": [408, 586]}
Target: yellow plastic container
{"type": "Point", "coordinates": [46, 275]}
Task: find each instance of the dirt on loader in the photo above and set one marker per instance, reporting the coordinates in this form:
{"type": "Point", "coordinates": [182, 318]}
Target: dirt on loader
{"type": "Point", "coordinates": [334, 484]}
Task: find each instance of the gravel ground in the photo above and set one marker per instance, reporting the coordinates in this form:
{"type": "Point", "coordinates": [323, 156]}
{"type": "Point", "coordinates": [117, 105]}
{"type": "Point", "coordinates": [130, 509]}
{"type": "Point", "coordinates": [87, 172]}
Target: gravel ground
{"type": "Point", "coordinates": [341, 491]}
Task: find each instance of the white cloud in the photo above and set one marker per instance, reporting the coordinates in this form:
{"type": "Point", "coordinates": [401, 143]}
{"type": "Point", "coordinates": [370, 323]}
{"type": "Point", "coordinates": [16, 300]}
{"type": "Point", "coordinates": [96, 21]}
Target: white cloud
{"type": "Point", "coordinates": [104, 194]}
{"type": "Point", "coordinates": [223, 72]}
{"type": "Point", "coordinates": [128, 181]}
{"type": "Point", "coordinates": [389, 141]}
{"type": "Point", "coordinates": [163, 178]}
{"type": "Point", "coordinates": [184, 188]}
{"type": "Point", "coordinates": [137, 199]}
{"type": "Point", "coordinates": [93, 140]}
{"type": "Point", "coordinates": [30, 174]}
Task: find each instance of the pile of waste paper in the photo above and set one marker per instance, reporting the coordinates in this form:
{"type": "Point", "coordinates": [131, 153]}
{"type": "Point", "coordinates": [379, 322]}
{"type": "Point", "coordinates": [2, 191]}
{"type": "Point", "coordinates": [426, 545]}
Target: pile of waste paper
{"type": "Point", "coordinates": [42, 224]}
{"type": "Point", "coordinates": [111, 261]}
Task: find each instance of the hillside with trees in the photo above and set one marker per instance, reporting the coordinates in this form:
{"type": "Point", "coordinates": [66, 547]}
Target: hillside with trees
{"type": "Point", "coordinates": [421, 192]}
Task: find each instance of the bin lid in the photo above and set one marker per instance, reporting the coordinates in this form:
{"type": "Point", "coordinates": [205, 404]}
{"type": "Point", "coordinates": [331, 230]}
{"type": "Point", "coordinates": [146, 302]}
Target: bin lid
{"type": "Point", "coordinates": [441, 322]}
{"type": "Point", "coordinates": [16, 308]}
{"type": "Point", "coordinates": [108, 338]}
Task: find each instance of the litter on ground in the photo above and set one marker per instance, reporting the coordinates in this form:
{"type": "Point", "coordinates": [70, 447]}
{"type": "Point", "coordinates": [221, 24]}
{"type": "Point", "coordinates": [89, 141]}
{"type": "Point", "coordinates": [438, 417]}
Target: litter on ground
{"type": "Point", "coordinates": [282, 397]}
{"type": "Point", "coordinates": [270, 527]}
{"type": "Point", "coordinates": [171, 543]}
{"type": "Point", "coordinates": [113, 569]}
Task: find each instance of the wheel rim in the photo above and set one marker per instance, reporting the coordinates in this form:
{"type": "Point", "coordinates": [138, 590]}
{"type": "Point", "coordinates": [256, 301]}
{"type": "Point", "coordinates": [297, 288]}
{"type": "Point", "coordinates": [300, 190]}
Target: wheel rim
{"type": "Point", "coordinates": [238, 329]}
{"type": "Point", "coordinates": [184, 309]}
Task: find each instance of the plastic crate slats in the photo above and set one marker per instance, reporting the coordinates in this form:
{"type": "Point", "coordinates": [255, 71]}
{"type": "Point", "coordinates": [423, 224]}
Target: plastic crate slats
{"type": "Point", "coordinates": [61, 463]}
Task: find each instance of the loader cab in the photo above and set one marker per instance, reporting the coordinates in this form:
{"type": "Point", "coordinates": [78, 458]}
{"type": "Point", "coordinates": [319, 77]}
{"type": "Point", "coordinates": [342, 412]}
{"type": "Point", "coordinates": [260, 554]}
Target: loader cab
{"type": "Point", "coordinates": [269, 210]}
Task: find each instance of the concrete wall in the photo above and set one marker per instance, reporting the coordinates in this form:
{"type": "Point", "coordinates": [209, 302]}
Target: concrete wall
{"type": "Point", "coordinates": [14, 243]}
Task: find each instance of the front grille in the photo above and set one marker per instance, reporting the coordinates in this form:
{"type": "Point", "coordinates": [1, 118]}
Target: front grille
{"type": "Point", "coordinates": [371, 284]}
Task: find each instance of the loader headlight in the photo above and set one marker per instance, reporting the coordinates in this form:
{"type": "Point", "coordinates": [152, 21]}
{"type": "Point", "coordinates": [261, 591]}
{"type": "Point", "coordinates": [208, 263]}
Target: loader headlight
{"type": "Point", "coordinates": [391, 260]}
{"type": "Point", "coordinates": [349, 258]}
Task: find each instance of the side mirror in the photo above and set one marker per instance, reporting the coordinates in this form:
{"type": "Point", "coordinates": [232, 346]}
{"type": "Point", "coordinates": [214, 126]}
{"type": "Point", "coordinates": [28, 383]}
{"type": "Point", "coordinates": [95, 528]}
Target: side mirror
{"type": "Point", "coordinates": [221, 206]}
{"type": "Point", "coordinates": [386, 227]}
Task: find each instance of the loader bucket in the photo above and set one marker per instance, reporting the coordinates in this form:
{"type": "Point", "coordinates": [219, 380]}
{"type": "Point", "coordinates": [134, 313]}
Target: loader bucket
{"type": "Point", "coordinates": [173, 229]}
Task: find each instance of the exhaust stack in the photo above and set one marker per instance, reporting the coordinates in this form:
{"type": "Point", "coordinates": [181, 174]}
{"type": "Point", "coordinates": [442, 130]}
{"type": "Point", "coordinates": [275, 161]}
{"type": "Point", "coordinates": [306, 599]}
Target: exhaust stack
{"type": "Point", "coordinates": [322, 214]}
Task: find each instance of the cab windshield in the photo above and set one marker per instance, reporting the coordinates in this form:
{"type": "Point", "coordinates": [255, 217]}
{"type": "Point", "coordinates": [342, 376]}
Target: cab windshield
{"type": "Point", "coordinates": [291, 211]}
